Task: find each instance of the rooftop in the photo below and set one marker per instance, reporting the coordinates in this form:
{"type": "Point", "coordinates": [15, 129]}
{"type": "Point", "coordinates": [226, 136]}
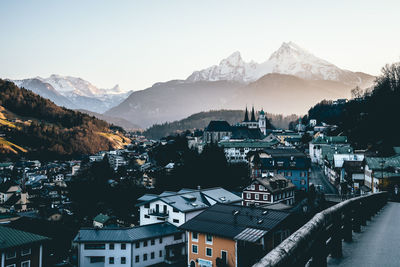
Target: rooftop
{"type": "Point", "coordinates": [236, 222]}
{"type": "Point", "coordinates": [10, 238]}
{"type": "Point", "coordinates": [192, 199]}
{"type": "Point", "coordinates": [131, 234]}
{"type": "Point", "coordinates": [218, 126]}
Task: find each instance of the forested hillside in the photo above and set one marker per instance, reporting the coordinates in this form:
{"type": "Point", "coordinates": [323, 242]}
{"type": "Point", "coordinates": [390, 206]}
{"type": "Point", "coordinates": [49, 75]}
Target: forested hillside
{"type": "Point", "coordinates": [38, 125]}
{"type": "Point", "coordinates": [370, 120]}
{"type": "Point", "coordinates": [201, 120]}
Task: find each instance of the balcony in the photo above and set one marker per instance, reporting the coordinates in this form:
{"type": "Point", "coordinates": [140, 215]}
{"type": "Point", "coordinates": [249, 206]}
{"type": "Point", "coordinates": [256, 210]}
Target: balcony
{"type": "Point", "coordinates": [158, 213]}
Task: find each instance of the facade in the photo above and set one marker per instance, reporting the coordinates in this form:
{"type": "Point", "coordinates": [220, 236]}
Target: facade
{"type": "Point", "coordinates": [253, 123]}
{"type": "Point", "coordinates": [268, 191]}
{"type": "Point", "coordinates": [288, 162]}
{"type": "Point", "coordinates": [179, 207]}
{"type": "Point", "coordinates": [22, 249]}
{"type": "Point", "coordinates": [382, 173]}
{"type": "Point", "coordinates": [136, 246]}
{"type": "Point", "coordinates": [217, 131]}
{"type": "Point", "coordinates": [231, 235]}
{"type": "Point", "coordinates": [237, 150]}
{"type": "Point", "coordinates": [315, 146]}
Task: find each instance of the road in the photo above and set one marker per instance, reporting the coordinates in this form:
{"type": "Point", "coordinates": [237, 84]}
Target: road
{"type": "Point", "coordinates": [317, 177]}
{"type": "Point", "coordinates": [377, 244]}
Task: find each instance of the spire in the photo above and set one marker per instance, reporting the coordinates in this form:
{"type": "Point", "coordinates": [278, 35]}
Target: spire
{"type": "Point", "coordinates": [246, 116]}
{"type": "Point", "coordinates": [253, 117]}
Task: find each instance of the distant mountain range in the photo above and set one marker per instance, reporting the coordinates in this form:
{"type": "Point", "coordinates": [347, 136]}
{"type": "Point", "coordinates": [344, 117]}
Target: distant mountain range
{"type": "Point", "coordinates": [74, 93]}
{"type": "Point", "coordinates": [290, 81]}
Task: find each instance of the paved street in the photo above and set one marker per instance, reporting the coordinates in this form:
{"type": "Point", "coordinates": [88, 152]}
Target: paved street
{"type": "Point", "coordinates": [377, 244]}
{"type": "Point", "coordinates": [317, 177]}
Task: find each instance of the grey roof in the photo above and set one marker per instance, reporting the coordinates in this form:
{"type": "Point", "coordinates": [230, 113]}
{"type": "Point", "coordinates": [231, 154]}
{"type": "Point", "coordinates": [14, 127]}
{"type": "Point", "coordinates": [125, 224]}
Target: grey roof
{"type": "Point", "coordinates": [126, 234]}
{"type": "Point", "coordinates": [101, 218]}
{"type": "Point", "coordinates": [231, 220]}
{"type": "Point", "coordinates": [10, 238]}
{"type": "Point", "coordinates": [218, 126]}
{"type": "Point", "coordinates": [248, 143]}
{"type": "Point", "coordinates": [250, 235]}
{"type": "Point", "coordinates": [190, 199]}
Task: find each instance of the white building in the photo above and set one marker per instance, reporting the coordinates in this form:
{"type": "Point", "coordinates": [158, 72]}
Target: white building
{"type": "Point", "coordinates": [179, 207]}
{"type": "Point", "coordinates": [137, 246]}
{"type": "Point", "coordinates": [237, 150]}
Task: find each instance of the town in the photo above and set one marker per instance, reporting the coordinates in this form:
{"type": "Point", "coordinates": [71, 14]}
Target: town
{"type": "Point", "coordinates": [137, 206]}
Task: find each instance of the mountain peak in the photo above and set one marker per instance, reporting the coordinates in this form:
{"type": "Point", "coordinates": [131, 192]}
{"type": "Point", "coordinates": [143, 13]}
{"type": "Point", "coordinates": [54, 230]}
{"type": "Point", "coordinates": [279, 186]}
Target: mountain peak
{"type": "Point", "coordinates": [235, 59]}
{"type": "Point", "coordinates": [289, 49]}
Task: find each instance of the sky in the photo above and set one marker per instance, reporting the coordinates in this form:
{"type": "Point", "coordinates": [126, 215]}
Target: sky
{"type": "Point", "coordinates": [138, 43]}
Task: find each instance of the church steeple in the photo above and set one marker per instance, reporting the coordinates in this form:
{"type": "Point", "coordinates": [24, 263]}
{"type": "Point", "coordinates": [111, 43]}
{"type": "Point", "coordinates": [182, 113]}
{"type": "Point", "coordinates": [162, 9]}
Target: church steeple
{"type": "Point", "coordinates": [253, 116]}
{"type": "Point", "coordinates": [246, 116]}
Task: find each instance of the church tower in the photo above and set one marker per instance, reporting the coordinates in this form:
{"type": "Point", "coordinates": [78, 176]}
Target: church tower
{"type": "Point", "coordinates": [262, 122]}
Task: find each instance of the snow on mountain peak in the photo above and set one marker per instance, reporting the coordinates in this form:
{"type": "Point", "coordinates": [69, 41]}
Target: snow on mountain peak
{"type": "Point", "coordinates": [290, 59]}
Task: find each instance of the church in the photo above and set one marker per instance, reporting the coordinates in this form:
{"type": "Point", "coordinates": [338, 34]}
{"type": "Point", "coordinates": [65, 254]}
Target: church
{"type": "Point", "coordinates": [253, 123]}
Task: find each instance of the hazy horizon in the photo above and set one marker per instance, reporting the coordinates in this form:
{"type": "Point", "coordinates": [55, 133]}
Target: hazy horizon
{"type": "Point", "coordinates": [136, 44]}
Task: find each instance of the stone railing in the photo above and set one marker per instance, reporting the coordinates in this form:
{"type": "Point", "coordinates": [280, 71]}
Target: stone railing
{"type": "Point", "coordinates": [323, 234]}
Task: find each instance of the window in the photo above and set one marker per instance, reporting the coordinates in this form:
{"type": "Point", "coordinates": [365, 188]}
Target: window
{"type": "Point", "coordinates": [261, 187]}
{"type": "Point", "coordinates": [248, 195]}
{"type": "Point", "coordinates": [195, 236]}
{"type": "Point", "coordinates": [137, 258]}
{"type": "Point", "coordinates": [95, 246]}
{"type": "Point", "coordinates": [93, 259]}
{"type": "Point", "coordinates": [289, 174]}
{"type": "Point", "coordinates": [302, 182]}
{"type": "Point", "coordinates": [25, 251]}
{"type": "Point", "coordinates": [265, 197]}
{"type": "Point", "coordinates": [257, 196]}
{"type": "Point", "coordinates": [147, 216]}
{"type": "Point", "coordinates": [177, 236]}
{"type": "Point", "coordinates": [147, 206]}
{"type": "Point", "coordinates": [11, 265]}
{"type": "Point", "coordinates": [209, 239]}
{"type": "Point", "coordinates": [145, 243]}
{"type": "Point", "coordinates": [123, 260]}
{"type": "Point", "coordinates": [224, 256]}
{"type": "Point", "coordinates": [194, 249]}
{"type": "Point", "coordinates": [11, 254]}
{"type": "Point", "coordinates": [175, 220]}
{"type": "Point", "coordinates": [160, 240]}
{"type": "Point", "coordinates": [111, 260]}
{"type": "Point", "coordinates": [111, 246]}
{"type": "Point", "coordinates": [137, 245]}
{"type": "Point", "coordinates": [175, 210]}
{"type": "Point", "coordinates": [252, 187]}
{"type": "Point", "coordinates": [209, 252]}
{"type": "Point", "coordinates": [160, 254]}
{"type": "Point", "coordinates": [28, 263]}
{"type": "Point", "coordinates": [152, 255]}
{"type": "Point", "coordinates": [123, 246]}
{"type": "Point", "coordinates": [145, 257]}
{"type": "Point", "coordinates": [153, 242]}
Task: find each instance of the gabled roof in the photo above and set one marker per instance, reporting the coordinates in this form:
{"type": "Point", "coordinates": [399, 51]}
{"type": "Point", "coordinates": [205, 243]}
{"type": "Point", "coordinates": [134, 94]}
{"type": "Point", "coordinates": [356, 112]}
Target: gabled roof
{"type": "Point", "coordinates": [131, 234]}
{"type": "Point", "coordinates": [243, 132]}
{"type": "Point", "coordinates": [192, 199]}
{"type": "Point", "coordinates": [235, 222]}
{"type": "Point", "coordinates": [278, 180]}
{"type": "Point", "coordinates": [218, 126]}
{"type": "Point", "coordinates": [14, 238]}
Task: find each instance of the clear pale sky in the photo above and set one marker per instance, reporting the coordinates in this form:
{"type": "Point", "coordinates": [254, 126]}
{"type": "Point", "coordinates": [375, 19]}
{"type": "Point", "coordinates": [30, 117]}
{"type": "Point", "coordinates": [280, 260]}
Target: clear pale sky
{"type": "Point", "coordinates": [138, 43]}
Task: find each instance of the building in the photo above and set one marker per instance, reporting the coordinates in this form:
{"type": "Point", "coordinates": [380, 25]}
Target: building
{"type": "Point", "coordinates": [253, 123]}
{"type": "Point", "coordinates": [269, 190]}
{"type": "Point", "coordinates": [230, 235]}
{"type": "Point", "coordinates": [136, 246]}
{"type": "Point", "coordinates": [382, 173]}
{"type": "Point", "coordinates": [179, 207]}
{"type": "Point", "coordinates": [217, 131]}
{"type": "Point", "coordinates": [22, 249]}
{"type": "Point", "coordinates": [237, 150]}
{"type": "Point", "coordinates": [101, 220]}
{"type": "Point", "coordinates": [315, 146]}
{"type": "Point", "coordinates": [288, 162]}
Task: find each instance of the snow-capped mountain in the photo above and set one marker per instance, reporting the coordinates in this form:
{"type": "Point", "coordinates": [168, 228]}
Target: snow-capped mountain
{"type": "Point", "coordinates": [288, 59]}
{"type": "Point", "coordinates": [74, 93]}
